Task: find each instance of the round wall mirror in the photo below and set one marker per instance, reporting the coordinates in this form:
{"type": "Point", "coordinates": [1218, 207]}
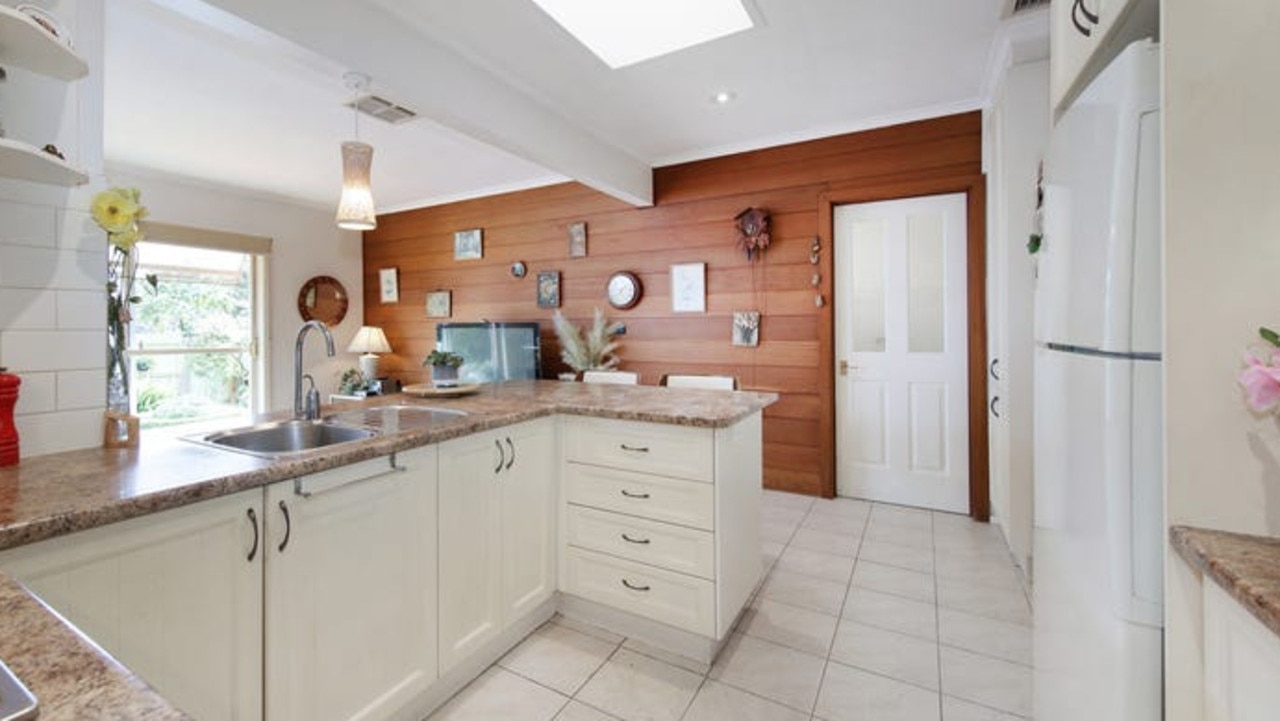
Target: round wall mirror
{"type": "Point", "coordinates": [324, 299]}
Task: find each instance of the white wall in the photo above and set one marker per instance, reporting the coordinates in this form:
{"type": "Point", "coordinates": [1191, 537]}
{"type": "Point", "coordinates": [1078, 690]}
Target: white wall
{"type": "Point", "coordinates": [53, 261]}
{"type": "Point", "coordinates": [306, 243]}
{"type": "Point", "coordinates": [1222, 280]}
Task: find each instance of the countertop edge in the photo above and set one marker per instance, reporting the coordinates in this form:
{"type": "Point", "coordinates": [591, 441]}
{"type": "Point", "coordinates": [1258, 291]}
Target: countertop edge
{"type": "Point", "coordinates": [1246, 567]}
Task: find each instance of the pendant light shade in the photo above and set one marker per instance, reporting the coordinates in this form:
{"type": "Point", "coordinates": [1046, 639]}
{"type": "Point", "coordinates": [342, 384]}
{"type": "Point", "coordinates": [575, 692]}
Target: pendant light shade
{"type": "Point", "coordinates": [355, 207]}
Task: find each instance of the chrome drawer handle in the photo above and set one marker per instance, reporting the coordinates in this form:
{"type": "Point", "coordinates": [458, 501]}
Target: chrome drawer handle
{"type": "Point", "coordinates": [635, 449]}
{"type": "Point", "coordinates": [629, 585]}
{"type": "Point", "coordinates": [628, 494]}
{"type": "Point", "coordinates": [641, 541]}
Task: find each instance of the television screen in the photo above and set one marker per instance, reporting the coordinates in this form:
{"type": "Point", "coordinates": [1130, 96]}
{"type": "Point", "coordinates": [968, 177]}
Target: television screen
{"type": "Point", "coordinates": [493, 351]}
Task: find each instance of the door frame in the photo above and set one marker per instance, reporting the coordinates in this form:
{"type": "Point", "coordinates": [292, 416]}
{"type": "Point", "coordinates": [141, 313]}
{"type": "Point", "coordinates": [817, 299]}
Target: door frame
{"type": "Point", "coordinates": [974, 186]}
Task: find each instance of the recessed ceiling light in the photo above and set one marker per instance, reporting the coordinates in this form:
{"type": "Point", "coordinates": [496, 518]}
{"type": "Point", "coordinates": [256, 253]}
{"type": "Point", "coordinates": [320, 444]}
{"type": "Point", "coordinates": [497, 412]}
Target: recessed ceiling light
{"type": "Point", "coordinates": [724, 97]}
{"type": "Point", "coordinates": [625, 32]}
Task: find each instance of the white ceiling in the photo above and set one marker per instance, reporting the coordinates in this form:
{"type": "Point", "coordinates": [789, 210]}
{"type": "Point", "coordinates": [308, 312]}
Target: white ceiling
{"type": "Point", "coordinates": [513, 100]}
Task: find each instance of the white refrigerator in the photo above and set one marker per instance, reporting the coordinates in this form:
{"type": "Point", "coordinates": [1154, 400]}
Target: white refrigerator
{"type": "Point", "coordinates": [1098, 430]}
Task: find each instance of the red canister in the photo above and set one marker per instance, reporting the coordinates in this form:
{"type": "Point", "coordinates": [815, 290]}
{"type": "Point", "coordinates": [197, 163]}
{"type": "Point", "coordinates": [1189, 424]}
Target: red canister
{"type": "Point", "coordinates": [8, 430]}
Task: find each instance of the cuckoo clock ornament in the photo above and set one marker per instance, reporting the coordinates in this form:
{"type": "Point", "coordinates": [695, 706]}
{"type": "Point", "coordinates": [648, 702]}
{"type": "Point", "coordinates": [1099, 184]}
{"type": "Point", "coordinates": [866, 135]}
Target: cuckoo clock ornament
{"type": "Point", "coordinates": [753, 230]}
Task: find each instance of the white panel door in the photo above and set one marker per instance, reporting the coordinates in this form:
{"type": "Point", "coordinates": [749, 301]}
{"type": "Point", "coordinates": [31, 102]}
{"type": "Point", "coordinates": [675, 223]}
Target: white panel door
{"type": "Point", "coordinates": [902, 352]}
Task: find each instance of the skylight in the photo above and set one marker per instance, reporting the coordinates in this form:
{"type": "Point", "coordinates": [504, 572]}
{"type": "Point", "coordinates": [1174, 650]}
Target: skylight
{"type": "Point", "coordinates": [625, 32]}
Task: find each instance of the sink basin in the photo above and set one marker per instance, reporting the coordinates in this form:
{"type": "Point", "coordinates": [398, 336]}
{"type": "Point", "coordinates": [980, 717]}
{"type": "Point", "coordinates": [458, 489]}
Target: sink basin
{"type": "Point", "coordinates": [16, 702]}
{"type": "Point", "coordinates": [396, 418]}
{"type": "Point", "coordinates": [283, 438]}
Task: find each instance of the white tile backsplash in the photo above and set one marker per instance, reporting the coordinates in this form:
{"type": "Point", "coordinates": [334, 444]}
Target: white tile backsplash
{"type": "Point", "coordinates": [53, 350]}
{"type": "Point", "coordinates": [77, 231]}
{"type": "Point", "coordinates": [79, 390]}
{"type": "Point", "coordinates": [43, 433]}
{"type": "Point", "coordinates": [27, 309]}
{"type": "Point", "coordinates": [51, 269]}
{"type": "Point", "coordinates": [26, 224]}
{"type": "Point", "coordinates": [82, 310]}
{"type": "Point", "coordinates": [37, 394]}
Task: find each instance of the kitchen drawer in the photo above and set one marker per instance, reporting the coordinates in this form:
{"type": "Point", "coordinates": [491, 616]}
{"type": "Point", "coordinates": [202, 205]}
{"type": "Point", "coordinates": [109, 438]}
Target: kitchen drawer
{"type": "Point", "coordinates": [676, 451]}
{"type": "Point", "coordinates": [653, 497]}
{"type": "Point", "coordinates": [665, 596]}
{"type": "Point", "coordinates": [675, 548]}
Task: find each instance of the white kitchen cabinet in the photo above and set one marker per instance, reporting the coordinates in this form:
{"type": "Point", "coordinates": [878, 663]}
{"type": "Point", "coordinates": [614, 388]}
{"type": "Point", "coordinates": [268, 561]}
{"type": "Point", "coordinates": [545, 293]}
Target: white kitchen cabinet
{"type": "Point", "coordinates": [497, 533]}
{"type": "Point", "coordinates": [351, 590]}
{"type": "Point", "coordinates": [1085, 35]}
{"type": "Point", "coordinates": [175, 596]}
{"type": "Point", "coordinates": [1241, 661]}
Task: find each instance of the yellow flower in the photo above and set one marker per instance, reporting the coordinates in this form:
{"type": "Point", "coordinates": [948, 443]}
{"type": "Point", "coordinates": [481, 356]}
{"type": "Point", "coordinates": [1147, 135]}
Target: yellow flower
{"type": "Point", "coordinates": [116, 209]}
{"type": "Point", "coordinates": [126, 238]}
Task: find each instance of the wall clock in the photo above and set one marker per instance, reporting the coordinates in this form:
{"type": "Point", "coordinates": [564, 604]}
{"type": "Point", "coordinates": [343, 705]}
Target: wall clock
{"type": "Point", "coordinates": [623, 290]}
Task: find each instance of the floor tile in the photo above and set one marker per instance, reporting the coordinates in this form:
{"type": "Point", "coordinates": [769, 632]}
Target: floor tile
{"type": "Point", "coordinates": [767, 669]}
{"type": "Point", "coordinates": [842, 507]}
{"type": "Point", "coordinates": [892, 554]}
{"type": "Point", "coordinates": [895, 613]}
{"type": "Point", "coordinates": [720, 702]}
{"type": "Point", "coordinates": [500, 694]}
{"type": "Point", "coordinates": [953, 709]}
{"type": "Point", "coordinates": [781, 516]}
{"type": "Point", "coordinates": [982, 571]}
{"type": "Point", "coordinates": [776, 532]}
{"type": "Point", "coordinates": [558, 657]}
{"type": "Point", "coordinates": [897, 581]}
{"type": "Point", "coordinates": [1005, 604]}
{"type": "Point", "coordinates": [847, 526]}
{"type": "Point", "coordinates": [769, 552]}
{"type": "Point", "coordinates": [576, 711]}
{"type": "Point", "coordinates": [816, 563]}
{"type": "Point", "coordinates": [839, 544]}
{"type": "Point", "coordinates": [987, 636]}
{"type": "Point", "coordinates": [913, 518]}
{"type": "Point", "coordinates": [791, 626]}
{"type": "Point", "coordinates": [804, 591]}
{"type": "Point", "coordinates": [689, 664]}
{"type": "Point", "coordinates": [902, 536]}
{"type": "Point", "coordinates": [592, 630]}
{"type": "Point", "coordinates": [849, 694]}
{"type": "Point", "coordinates": [987, 681]}
{"type": "Point", "coordinates": [887, 653]}
{"type": "Point", "coordinates": [783, 499]}
{"type": "Point", "coordinates": [637, 688]}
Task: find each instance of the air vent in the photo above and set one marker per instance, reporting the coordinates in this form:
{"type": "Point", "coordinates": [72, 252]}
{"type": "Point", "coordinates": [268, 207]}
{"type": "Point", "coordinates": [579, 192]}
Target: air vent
{"type": "Point", "coordinates": [383, 109]}
{"type": "Point", "coordinates": [1017, 7]}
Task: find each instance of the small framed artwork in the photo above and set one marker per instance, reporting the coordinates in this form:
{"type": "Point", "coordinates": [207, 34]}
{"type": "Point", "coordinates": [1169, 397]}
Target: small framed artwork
{"type": "Point", "coordinates": [549, 289]}
{"type": "Point", "coordinates": [578, 239]}
{"type": "Point", "coordinates": [389, 285]}
{"type": "Point", "coordinates": [439, 304]}
{"type": "Point", "coordinates": [689, 288]}
{"type": "Point", "coordinates": [746, 328]}
{"type": "Point", "coordinates": [468, 244]}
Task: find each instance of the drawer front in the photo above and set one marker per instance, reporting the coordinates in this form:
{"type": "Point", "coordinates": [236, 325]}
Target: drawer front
{"type": "Point", "coordinates": [676, 451]}
{"type": "Point", "coordinates": [671, 598]}
{"type": "Point", "coordinates": [653, 497]}
{"type": "Point", "coordinates": [674, 548]}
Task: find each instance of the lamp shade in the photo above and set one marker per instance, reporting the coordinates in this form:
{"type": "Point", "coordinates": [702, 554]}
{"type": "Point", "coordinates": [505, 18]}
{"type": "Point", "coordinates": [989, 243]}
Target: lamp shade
{"type": "Point", "coordinates": [369, 339]}
{"type": "Point", "coordinates": [355, 207]}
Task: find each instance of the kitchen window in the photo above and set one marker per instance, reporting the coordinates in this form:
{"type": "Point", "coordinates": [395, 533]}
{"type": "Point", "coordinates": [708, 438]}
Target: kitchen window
{"type": "Point", "coordinates": [195, 342]}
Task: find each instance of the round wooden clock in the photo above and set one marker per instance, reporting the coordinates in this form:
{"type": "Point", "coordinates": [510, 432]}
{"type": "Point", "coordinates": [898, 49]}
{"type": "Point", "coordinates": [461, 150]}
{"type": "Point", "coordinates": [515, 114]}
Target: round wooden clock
{"type": "Point", "coordinates": [623, 290]}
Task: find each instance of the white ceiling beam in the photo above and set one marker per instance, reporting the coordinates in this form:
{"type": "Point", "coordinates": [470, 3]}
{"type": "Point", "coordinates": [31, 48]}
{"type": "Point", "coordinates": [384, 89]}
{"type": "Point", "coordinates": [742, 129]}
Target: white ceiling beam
{"type": "Point", "coordinates": [441, 84]}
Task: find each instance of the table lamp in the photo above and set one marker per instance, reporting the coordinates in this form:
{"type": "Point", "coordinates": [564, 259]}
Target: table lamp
{"type": "Point", "coordinates": [369, 340]}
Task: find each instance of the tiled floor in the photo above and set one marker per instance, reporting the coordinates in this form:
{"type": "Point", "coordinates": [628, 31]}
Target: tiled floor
{"type": "Point", "coordinates": [868, 613]}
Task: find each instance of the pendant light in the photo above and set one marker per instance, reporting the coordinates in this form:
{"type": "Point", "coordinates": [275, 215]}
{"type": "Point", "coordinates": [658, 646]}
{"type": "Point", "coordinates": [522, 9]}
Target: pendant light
{"type": "Point", "coordinates": [355, 207]}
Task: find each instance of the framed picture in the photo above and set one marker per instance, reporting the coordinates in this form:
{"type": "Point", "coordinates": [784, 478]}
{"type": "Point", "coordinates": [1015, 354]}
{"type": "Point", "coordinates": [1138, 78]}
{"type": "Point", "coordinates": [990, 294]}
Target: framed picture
{"type": "Point", "coordinates": [746, 328]}
{"type": "Point", "coordinates": [549, 289]}
{"type": "Point", "coordinates": [439, 304]}
{"type": "Point", "coordinates": [468, 245]}
{"type": "Point", "coordinates": [578, 239]}
{"type": "Point", "coordinates": [389, 285]}
{"type": "Point", "coordinates": [689, 288]}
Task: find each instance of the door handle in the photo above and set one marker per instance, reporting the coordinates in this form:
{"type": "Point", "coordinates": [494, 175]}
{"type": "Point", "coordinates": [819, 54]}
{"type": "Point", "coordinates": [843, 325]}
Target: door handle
{"type": "Point", "coordinates": [288, 527]}
{"type": "Point", "coordinates": [844, 367]}
{"type": "Point", "coordinates": [994, 401]}
{"type": "Point", "coordinates": [502, 457]}
{"type": "Point", "coordinates": [994, 368]}
{"type": "Point", "coordinates": [253, 519]}
{"type": "Point", "coordinates": [513, 455]}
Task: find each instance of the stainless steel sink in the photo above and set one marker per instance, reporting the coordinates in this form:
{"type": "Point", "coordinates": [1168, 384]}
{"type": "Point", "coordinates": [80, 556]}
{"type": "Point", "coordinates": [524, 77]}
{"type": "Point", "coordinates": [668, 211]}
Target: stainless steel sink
{"type": "Point", "coordinates": [397, 418]}
{"type": "Point", "coordinates": [16, 702]}
{"type": "Point", "coordinates": [284, 438]}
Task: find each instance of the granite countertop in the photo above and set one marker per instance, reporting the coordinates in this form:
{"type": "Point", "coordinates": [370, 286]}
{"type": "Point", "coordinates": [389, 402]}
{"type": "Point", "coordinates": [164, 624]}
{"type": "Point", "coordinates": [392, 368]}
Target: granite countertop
{"type": "Point", "coordinates": [1247, 567]}
{"type": "Point", "coordinates": [52, 495]}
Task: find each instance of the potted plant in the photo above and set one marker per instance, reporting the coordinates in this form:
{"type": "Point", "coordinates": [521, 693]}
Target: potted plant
{"type": "Point", "coordinates": [444, 368]}
{"type": "Point", "coordinates": [591, 348]}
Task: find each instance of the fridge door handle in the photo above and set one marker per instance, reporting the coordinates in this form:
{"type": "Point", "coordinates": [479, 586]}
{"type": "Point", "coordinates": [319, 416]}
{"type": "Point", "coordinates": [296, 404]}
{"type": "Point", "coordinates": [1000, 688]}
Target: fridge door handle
{"type": "Point", "coordinates": [994, 401]}
{"type": "Point", "coordinates": [994, 368]}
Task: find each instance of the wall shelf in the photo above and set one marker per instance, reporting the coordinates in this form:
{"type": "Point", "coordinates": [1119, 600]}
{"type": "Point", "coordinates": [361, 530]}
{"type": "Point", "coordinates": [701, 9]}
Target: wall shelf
{"type": "Point", "coordinates": [24, 43]}
{"type": "Point", "coordinates": [27, 162]}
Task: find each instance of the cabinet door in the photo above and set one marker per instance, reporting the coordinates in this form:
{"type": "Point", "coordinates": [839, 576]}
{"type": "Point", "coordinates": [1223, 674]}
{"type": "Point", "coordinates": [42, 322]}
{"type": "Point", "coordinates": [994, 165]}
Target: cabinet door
{"type": "Point", "coordinates": [351, 594]}
{"type": "Point", "coordinates": [528, 502]}
{"type": "Point", "coordinates": [470, 544]}
{"type": "Point", "coordinates": [175, 596]}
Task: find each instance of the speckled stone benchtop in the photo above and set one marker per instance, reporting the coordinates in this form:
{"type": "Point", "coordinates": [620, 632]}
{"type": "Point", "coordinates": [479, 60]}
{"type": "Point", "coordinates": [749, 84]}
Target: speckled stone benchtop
{"type": "Point", "coordinates": [48, 496]}
{"type": "Point", "coordinates": [1247, 567]}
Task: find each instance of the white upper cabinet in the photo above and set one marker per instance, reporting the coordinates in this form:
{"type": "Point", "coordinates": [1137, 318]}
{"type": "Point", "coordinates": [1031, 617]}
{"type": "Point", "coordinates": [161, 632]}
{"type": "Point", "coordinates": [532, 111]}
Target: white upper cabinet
{"type": "Point", "coordinates": [1085, 35]}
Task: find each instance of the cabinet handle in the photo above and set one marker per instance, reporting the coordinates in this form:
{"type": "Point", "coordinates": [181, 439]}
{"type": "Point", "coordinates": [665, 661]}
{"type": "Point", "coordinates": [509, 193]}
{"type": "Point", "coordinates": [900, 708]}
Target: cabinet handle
{"type": "Point", "coordinates": [635, 449]}
{"type": "Point", "coordinates": [994, 368]}
{"type": "Point", "coordinates": [633, 587]}
{"type": "Point", "coordinates": [288, 526]}
{"type": "Point", "coordinates": [513, 454]}
{"type": "Point", "coordinates": [641, 541]}
{"type": "Point", "coordinates": [299, 487]}
{"type": "Point", "coordinates": [628, 494]}
{"type": "Point", "coordinates": [994, 401]}
{"type": "Point", "coordinates": [253, 519]}
{"type": "Point", "coordinates": [502, 456]}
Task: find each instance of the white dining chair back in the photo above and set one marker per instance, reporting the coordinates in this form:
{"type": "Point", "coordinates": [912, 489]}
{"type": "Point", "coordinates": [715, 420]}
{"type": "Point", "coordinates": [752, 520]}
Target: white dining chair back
{"type": "Point", "coordinates": [722, 383]}
{"type": "Point", "coordinates": [624, 378]}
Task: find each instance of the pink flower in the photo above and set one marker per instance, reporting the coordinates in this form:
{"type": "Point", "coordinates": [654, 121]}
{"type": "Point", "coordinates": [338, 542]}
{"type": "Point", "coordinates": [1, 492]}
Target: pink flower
{"type": "Point", "coordinates": [1261, 382]}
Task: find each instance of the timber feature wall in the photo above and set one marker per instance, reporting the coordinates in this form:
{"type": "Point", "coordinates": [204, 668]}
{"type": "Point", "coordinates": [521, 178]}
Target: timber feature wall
{"type": "Point", "coordinates": [691, 221]}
